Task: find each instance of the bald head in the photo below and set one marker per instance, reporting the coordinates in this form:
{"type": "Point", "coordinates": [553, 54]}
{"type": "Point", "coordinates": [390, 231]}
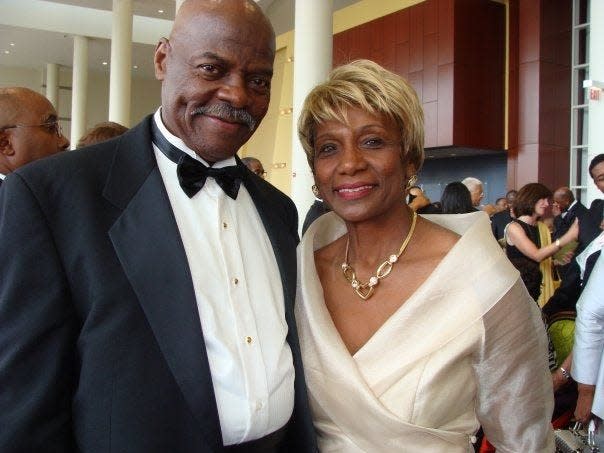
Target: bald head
{"type": "Point", "coordinates": [563, 198]}
{"type": "Point", "coordinates": [247, 10]}
{"type": "Point", "coordinates": [12, 100]}
{"type": "Point", "coordinates": [216, 70]}
{"type": "Point", "coordinates": [29, 128]}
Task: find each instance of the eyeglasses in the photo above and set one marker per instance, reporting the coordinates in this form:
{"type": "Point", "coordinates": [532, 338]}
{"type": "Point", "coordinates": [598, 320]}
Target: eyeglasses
{"type": "Point", "coordinates": [52, 127]}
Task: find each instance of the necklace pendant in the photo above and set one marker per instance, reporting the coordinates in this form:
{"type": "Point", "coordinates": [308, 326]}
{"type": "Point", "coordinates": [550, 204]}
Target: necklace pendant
{"type": "Point", "coordinates": [364, 291]}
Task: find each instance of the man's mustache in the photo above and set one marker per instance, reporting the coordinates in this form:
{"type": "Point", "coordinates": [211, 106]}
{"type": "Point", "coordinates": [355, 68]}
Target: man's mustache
{"type": "Point", "coordinates": [228, 113]}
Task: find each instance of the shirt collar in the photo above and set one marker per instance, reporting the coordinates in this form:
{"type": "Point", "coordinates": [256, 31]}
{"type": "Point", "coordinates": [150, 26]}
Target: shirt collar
{"type": "Point", "coordinates": [184, 148]}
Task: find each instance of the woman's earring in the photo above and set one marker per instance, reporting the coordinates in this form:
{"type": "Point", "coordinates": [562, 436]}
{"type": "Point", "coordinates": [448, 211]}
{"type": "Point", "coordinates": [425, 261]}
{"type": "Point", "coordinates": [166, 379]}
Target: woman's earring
{"type": "Point", "coordinates": [315, 190]}
{"type": "Point", "coordinates": [412, 181]}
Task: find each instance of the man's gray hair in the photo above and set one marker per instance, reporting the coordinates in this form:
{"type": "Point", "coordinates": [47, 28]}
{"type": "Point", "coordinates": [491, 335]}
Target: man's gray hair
{"type": "Point", "coordinates": [472, 183]}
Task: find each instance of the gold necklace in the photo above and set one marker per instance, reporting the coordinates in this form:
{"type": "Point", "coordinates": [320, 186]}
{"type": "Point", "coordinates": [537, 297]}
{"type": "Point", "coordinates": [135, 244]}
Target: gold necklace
{"type": "Point", "coordinates": [365, 290]}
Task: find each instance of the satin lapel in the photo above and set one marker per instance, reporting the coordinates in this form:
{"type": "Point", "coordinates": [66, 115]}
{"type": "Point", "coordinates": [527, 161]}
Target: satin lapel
{"type": "Point", "coordinates": [148, 244]}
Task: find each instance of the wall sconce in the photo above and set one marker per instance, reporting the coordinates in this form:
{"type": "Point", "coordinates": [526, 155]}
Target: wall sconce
{"type": "Point", "coordinates": [595, 89]}
{"type": "Point", "coordinates": [290, 59]}
{"type": "Point", "coordinates": [279, 165]}
{"type": "Point", "coordinates": [286, 111]}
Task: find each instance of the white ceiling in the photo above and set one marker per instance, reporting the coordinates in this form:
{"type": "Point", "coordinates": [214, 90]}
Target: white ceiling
{"type": "Point", "coordinates": [36, 32]}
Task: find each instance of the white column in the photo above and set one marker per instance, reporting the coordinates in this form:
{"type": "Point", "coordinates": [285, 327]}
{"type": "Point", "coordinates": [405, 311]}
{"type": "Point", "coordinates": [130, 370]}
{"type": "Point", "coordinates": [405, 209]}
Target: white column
{"type": "Point", "coordinates": [596, 107]}
{"type": "Point", "coordinates": [52, 84]}
{"type": "Point", "coordinates": [313, 35]}
{"type": "Point", "coordinates": [121, 61]}
{"type": "Point", "coordinates": [178, 5]}
{"type": "Point", "coordinates": [79, 87]}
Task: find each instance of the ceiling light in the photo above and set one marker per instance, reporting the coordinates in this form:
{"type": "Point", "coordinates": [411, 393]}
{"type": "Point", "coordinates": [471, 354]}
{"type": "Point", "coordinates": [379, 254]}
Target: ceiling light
{"type": "Point", "coordinates": [160, 11]}
{"type": "Point", "coordinates": [135, 66]}
{"type": "Point", "coordinates": [104, 63]}
{"type": "Point", "coordinates": [7, 52]}
{"type": "Point", "coordinates": [12, 44]}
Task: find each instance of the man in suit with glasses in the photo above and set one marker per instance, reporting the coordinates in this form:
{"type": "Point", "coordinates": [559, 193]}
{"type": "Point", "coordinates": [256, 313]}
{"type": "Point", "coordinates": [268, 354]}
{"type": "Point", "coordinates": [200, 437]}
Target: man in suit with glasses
{"type": "Point", "coordinates": [29, 129]}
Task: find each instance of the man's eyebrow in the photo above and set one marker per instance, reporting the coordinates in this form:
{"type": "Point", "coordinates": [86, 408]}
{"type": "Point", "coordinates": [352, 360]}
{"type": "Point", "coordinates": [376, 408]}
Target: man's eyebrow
{"type": "Point", "coordinates": [50, 118]}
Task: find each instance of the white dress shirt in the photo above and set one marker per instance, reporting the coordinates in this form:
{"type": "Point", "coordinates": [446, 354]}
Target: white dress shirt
{"type": "Point", "coordinates": [588, 350]}
{"type": "Point", "coordinates": [240, 301]}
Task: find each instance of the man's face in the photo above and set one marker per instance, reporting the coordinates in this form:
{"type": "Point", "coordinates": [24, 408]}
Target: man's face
{"type": "Point", "coordinates": [597, 173]}
{"type": "Point", "coordinates": [38, 134]}
{"type": "Point", "coordinates": [477, 195]}
{"type": "Point", "coordinates": [561, 203]}
{"type": "Point", "coordinates": [216, 72]}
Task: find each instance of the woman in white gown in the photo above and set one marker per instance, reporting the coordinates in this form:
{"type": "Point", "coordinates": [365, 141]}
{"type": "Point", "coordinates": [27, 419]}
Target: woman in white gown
{"type": "Point", "coordinates": [414, 330]}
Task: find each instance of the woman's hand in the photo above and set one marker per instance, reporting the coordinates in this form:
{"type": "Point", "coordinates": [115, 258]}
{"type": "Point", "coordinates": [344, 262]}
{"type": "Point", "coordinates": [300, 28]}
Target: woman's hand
{"type": "Point", "coordinates": [584, 403]}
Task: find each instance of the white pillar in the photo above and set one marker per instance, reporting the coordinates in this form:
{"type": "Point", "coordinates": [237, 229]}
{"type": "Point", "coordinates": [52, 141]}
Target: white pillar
{"type": "Point", "coordinates": [52, 84]}
{"type": "Point", "coordinates": [178, 5]}
{"type": "Point", "coordinates": [313, 36]}
{"type": "Point", "coordinates": [121, 61]}
{"type": "Point", "coordinates": [596, 107]}
{"type": "Point", "coordinates": [79, 88]}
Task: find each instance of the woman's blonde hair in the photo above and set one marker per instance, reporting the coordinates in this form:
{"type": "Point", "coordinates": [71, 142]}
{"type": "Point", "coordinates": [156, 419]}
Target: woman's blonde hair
{"type": "Point", "coordinates": [365, 85]}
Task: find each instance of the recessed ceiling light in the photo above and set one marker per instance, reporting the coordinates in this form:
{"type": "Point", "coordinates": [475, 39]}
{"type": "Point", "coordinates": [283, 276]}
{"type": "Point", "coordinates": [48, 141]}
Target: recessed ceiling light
{"type": "Point", "coordinates": [12, 44]}
{"type": "Point", "coordinates": [160, 11]}
{"type": "Point", "coordinates": [104, 63]}
{"type": "Point", "coordinates": [135, 66]}
{"type": "Point", "coordinates": [7, 52]}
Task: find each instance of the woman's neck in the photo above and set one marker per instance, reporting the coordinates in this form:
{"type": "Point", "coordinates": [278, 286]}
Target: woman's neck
{"type": "Point", "coordinates": [372, 242]}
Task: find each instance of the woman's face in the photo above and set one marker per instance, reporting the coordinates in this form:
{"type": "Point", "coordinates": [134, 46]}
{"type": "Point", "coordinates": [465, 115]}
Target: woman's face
{"type": "Point", "coordinates": [541, 207]}
{"type": "Point", "coordinates": [358, 167]}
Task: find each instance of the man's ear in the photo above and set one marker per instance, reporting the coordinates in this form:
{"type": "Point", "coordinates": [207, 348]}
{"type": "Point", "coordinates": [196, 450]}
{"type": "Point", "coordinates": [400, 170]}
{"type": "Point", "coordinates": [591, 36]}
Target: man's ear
{"type": "Point", "coordinates": [6, 147]}
{"type": "Point", "coordinates": [159, 59]}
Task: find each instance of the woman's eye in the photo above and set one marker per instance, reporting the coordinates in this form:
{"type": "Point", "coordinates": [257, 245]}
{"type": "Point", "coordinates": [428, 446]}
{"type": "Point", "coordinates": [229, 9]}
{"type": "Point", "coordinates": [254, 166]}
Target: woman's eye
{"type": "Point", "coordinates": [373, 142]}
{"type": "Point", "coordinates": [326, 149]}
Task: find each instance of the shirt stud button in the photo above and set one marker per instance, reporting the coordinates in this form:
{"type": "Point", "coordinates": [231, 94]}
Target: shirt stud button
{"type": "Point", "coordinates": [248, 340]}
{"type": "Point", "coordinates": [235, 281]}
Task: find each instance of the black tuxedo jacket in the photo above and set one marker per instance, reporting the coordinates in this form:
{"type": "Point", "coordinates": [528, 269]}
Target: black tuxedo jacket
{"type": "Point", "coordinates": [101, 347]}
{"type": "Point", "coordinates": [562, 225]}
{"type": "Point", "coordinates": [499, 221]}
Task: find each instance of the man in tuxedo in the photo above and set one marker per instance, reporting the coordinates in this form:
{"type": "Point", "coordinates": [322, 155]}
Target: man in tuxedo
{"type": "Point", "coordinates": [146, 298]}
{"type": "Point", "coordinates": [501, 219]}
{"type": "Point", "coordinates": [596, 209]}
{"type": "Point", "coordinates": [29, 129]}
{"type": "Point", "coordinates": [569, 208]}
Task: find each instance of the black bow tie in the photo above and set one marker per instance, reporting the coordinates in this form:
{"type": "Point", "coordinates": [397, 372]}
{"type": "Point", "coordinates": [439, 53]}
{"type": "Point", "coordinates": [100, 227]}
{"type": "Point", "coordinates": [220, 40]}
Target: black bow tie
{"type": "Point", "coordinates": [192, 174]}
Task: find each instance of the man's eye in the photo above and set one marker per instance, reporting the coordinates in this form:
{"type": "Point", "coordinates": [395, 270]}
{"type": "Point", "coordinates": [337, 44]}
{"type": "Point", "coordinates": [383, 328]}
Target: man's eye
{"type": "Point", "coordinates": [261, 83]}
{"type": "Point", "coordinates": [208, 68]}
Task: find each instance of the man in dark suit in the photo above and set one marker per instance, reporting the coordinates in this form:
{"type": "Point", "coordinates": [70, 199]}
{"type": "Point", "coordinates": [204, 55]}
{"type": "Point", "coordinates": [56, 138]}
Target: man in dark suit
{"type": "Point", "coordinates": [501, 219]}
{"type": "Point", "coordinates": [29, 129]}
{"type": "Point", "coordinates": [147, 302]}
{"type": "Point", "coordinates": [569, 209]}
{"type": "Point", "coordinates": [596, 210]}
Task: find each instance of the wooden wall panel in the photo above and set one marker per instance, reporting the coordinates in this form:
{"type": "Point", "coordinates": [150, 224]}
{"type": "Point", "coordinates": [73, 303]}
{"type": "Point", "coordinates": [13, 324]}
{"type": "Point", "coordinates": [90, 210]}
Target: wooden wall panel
{"type": "Point", "coordinates": [438, 54]}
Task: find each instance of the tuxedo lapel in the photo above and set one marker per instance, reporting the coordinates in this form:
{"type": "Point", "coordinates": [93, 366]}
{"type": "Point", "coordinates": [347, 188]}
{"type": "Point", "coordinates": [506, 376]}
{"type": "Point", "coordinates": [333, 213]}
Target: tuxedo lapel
{"type": "Point", "coordinates": [149, 247]}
